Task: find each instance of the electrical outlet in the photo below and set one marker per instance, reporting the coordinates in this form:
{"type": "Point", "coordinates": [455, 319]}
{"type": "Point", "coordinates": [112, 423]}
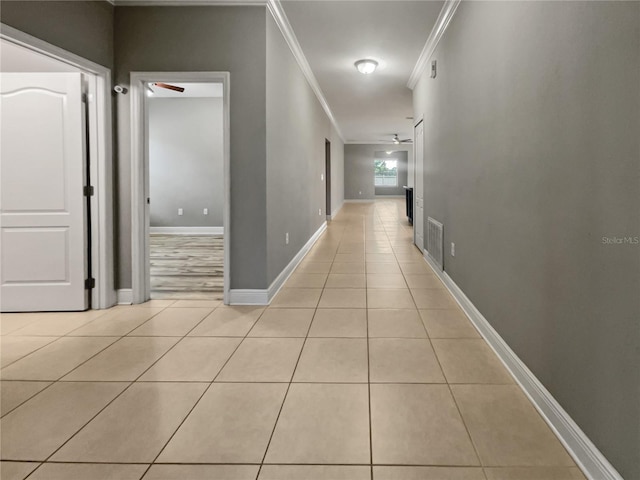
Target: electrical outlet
{"type": "Point", "coordinates": [180, 211]}
{"type": "Point", "coordinates": [453, 249]}
{"type": "Point", "coordinates": [286, 238]}
{"type": "Point", "coordinates": [319, 211]}
{"type": "Point", "coordinates": [205, 211]}
{"type": "Point", "coordinates": [321, 177]}
{"type": "Point", "coordinates": [359, 193]}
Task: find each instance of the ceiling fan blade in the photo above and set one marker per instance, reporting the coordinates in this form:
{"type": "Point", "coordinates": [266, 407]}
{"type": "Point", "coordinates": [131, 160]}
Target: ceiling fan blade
{"type": "Point", "coordinates": [169, 87]}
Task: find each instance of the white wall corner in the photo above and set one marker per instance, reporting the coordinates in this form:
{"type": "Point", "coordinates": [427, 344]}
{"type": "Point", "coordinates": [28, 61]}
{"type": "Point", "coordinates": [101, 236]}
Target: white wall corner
{"type": "Point", "coordinates": [125, 296]}
{"type": "Point", "coordinates": [445, 16]}
{"type": "Point", "coordinates": [280, 17]}
{"type": "Point", "coordinates": [586, 455]}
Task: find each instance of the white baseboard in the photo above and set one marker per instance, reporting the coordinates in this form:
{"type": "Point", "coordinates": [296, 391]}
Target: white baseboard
{"type": "Point", "coordinates": [357, 200]}
{"type": "Point", "coordinates": [390, 196]}
{"type": "Point", "coordinates": [188, 230]}
{"type": "Point", "coordinates": [248, 297]}
{"type": "Point", "coordinates": [276, 285]}
{"type": "Point", "coordinates": [592, 462]}
{"type": "Point", "coordinates": [264, 296]}
{"type": "Point", "coordinates": [125, 296]}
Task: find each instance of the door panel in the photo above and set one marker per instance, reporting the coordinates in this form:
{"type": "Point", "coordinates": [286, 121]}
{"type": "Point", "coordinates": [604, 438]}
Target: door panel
{"type": "Point", "coordinates": [42, 208]}
{"type": "Point", "coordinates": [418, 217]}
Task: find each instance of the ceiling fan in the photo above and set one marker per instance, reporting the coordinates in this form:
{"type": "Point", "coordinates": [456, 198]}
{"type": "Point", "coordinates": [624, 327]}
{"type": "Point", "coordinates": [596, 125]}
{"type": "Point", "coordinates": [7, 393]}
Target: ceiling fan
{"type": "Point", "coordinates": [168, 86]}
{"type": "Point", "coordinates": [396, 139]}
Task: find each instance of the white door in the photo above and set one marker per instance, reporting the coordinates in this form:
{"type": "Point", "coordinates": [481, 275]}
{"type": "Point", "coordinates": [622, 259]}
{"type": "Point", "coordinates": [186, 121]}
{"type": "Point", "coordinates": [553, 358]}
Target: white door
{"type": "Point", "coordinates": [42, 206]}
{"type": "Point", "coordinates": [418, 192]}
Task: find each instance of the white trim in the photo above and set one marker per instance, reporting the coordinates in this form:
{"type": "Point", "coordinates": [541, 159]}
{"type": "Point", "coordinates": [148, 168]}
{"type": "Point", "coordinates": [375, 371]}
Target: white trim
{"type": "Point", "coordinates": [140, 181]}
{"type": "Point", "coordinates": [592, 462]}
{"type": "Point", "coordinates": [188, 230]}
{"type": "Point", "coordinates": [101, 144]}
{"type": "Point", "coordinates": [390, 196]}
{"type": "Point", "coordinates": [446, 14]}
{"type": "Point", "coordinates": [280, 17]}
{"type": "Point", "coordinates": [277, 284]}
{"type": "Point", "coordinates": [363, 200]}
{"type": "Point", "coordinates": [264, 296]}
{"type": "Point", "coordinates": [125, 296]}
{"type": "Point", "coordinates": [248, 297]}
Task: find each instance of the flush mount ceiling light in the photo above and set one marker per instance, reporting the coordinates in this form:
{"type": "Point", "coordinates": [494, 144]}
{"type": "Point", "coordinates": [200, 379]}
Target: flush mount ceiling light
{"type": "Point", "coordinates": [366, 66]}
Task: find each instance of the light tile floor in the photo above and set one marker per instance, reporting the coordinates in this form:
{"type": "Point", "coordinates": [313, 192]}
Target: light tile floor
{"type": "Point", "coordinates": [362, 367]}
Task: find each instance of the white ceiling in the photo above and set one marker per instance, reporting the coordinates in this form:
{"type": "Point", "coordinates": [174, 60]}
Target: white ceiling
{"type": "Point", "coordinates": [334, 34]}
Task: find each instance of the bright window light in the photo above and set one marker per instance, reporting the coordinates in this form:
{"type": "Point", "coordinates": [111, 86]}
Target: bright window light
{"type": "Point", "coordinates": [386, 172]}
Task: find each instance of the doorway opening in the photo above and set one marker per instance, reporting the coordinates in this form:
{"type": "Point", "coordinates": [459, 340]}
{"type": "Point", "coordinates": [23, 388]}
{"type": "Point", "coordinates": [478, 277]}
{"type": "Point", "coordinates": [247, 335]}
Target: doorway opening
{"type": "Point", "coordinates": [180, 186]}
{"type": "Point", "coordinates": [327, 176]}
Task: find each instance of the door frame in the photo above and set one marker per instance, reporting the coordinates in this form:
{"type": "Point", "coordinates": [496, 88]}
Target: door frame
{"type": "Point", "coordinates": [420, 120]}
{"type": "Point", "coordinates": [103, 295]}
{"type": "Point", "coordinates": [327, 178]}
{"type": "Point", "coordinates": [140, 175]}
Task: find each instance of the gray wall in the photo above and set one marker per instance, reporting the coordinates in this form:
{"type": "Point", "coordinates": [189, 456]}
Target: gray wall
{"type": "Point", "coordinates": [296, 131]}
{"type": "Point", "coordinates": [532, 156]}
{"type": "Point", "coordinates": [206, 38]}
{"type": "Point", "coordinates": [403, 164]}
{"type": "Point", "coordinates": [186, 161]}
{"type": "Point", "coordinates": [81, 27]}
{"type": "Point", "coordinates": [359, 170]}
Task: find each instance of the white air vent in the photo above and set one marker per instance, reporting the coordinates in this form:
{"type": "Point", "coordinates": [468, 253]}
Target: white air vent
{"type": "Point", "coordinates": [435, 241]}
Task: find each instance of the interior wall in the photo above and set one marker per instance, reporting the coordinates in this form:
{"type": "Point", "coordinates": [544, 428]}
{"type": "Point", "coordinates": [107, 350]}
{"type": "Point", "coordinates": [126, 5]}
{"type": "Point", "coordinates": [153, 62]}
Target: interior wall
{"type": "Point", "coordinates": [63, 23]}
{"type": "Point", "coordinates": [297, 127]}
{"type": "Point", "coordinates": [403, 165]}
{"type": "Point", "coordinates": [186, 161]}
{"type": "Point", "coordinates": [359, 170]}
{"type": "Point", "coordinates": [204, 38]}
{"type": "Point", "coordinates": [532, 161]}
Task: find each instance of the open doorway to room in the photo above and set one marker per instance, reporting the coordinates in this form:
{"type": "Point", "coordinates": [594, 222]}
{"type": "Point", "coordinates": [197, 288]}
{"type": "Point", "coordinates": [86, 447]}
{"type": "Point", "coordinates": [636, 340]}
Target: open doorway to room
{"type": "Point", "coordinates": [181, 127]}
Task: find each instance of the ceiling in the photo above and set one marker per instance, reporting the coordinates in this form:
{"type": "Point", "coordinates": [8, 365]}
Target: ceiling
{"type": "Point", "coordinates": [334, 34]}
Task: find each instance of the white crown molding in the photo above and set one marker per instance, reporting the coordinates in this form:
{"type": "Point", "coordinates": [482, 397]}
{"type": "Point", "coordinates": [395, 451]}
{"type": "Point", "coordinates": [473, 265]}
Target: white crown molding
{"type": "Point", "coordinates": [282, 21]}
{"type": "Point", "coordinates": [586, 455]}
{"type": "Point", "coordinates": [364, 142]}
{"type": "Point", "coordinates": [446, 14]}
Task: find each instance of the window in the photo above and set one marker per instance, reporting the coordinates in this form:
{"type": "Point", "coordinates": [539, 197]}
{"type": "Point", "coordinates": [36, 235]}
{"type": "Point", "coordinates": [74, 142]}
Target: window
{"type": "Point", "coordinates": [386, 173]}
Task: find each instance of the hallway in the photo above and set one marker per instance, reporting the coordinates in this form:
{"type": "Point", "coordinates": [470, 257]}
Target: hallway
{"type": "Point", "coordinates": [362, 367]}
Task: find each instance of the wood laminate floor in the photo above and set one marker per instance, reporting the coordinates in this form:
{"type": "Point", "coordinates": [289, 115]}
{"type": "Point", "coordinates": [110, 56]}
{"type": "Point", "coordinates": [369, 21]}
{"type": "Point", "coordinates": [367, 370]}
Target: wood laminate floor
{"type": "Point", "coordinates": [186, 266]}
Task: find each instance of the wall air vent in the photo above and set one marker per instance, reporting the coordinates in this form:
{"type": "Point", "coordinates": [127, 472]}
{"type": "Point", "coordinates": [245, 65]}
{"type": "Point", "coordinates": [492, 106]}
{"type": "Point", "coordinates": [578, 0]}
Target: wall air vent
{"type": "Point", "coordinates": [435, 241]}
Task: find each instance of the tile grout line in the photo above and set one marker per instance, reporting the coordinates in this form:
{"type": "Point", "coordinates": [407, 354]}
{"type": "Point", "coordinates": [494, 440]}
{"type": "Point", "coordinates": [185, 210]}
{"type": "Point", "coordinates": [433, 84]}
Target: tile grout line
{"type": "Point", "coordinates": [121, 393]}
{"type": "Point", "coordinates": [211, 383]}
{"type": "Point", "coordinates": [286, 393]}
{"type": "Point", "coordinates": [366, 283]}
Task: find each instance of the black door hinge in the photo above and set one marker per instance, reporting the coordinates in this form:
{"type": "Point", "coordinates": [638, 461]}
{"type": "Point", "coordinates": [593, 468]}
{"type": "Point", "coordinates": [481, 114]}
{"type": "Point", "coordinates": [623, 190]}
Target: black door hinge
{"type": "Point", "coordinates": [89, 283]}
{"type": "Point", "coordinates": [88, 191]}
